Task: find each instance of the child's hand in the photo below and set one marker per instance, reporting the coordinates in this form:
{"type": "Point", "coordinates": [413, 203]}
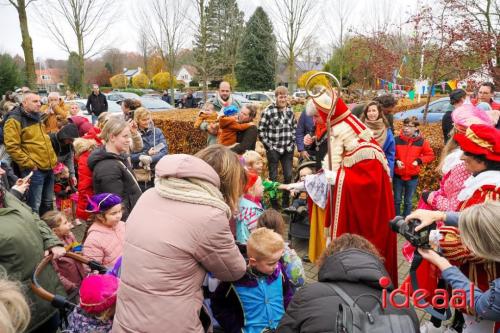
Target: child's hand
{"type": "Point", "coordinates": [400, 164]}
{"type": "Point", "coordinates": [415, 163]}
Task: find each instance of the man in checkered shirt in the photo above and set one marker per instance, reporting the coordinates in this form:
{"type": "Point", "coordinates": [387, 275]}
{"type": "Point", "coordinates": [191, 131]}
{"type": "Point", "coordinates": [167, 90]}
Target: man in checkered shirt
{"type": "Point", "coordinates": [277, 132]}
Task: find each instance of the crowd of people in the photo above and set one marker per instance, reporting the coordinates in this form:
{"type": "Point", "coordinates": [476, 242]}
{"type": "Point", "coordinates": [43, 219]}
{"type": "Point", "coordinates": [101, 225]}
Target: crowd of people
{"type": "Point", "coordinates": [191, 245]}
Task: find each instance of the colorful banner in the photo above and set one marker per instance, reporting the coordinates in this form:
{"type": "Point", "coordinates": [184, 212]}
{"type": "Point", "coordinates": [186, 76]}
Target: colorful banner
{"type": "Point", "coordinates": [452, 84]}
{"type": "Point", "coordinates": [411, 95]}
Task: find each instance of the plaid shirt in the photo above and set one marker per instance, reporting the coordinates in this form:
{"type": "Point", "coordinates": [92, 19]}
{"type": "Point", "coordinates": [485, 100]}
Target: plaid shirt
{"type": "Point", "coordinates": [277, 129]}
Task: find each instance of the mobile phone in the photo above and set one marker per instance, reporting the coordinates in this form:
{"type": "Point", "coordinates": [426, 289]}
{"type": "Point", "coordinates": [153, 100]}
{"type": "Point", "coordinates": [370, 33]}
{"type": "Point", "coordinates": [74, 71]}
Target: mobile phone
{"type": "Point", "coordinates": [25, 179]}
{"type": "Point", "coordinates": [159, 146]}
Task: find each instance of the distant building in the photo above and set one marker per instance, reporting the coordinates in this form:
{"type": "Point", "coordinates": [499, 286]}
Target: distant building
{"type": "Point", "coordinates": [186, 74]}
{"type": "Point", "coordinates": [130, 73]}
{"type": "Point", "coordinates": [50, 79]}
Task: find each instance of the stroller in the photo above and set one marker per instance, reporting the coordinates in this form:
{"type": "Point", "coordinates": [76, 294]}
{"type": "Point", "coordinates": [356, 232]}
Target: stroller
{"type": "Point", "coordinates": [64, 304]}
{"type": "Point", "coordinates": [299, 215]}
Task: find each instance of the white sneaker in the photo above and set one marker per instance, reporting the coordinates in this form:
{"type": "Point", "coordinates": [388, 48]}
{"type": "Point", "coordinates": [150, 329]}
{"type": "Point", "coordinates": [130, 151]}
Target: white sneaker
{"type": "Point", "coordinates": [429, 327]}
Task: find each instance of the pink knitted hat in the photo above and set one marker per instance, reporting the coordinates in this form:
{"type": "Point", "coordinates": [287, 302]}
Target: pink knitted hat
{"type": "Point", "coordinates": [467, 115]}
{"type": "Point", "coordinates": [98, 293]}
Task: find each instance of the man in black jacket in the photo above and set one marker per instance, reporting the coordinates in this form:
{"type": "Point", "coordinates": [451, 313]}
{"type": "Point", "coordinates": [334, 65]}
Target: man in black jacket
{"type": "Point", "coordinates": [353, 264]}
{"type": "Point", "coordinates": [96, 103]}
{"type": "Point", "coordinates": [457, 98]}
{"type": "Point", "coordinates": [246, 139]}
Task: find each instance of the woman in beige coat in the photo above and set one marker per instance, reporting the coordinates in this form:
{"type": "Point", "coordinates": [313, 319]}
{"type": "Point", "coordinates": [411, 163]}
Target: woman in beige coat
{"type": "Point", "coordinates": [177, 232]}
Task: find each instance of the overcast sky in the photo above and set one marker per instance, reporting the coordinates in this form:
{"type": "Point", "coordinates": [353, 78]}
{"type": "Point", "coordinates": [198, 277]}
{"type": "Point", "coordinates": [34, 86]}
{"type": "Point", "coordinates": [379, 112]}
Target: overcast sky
{"type": "Point", "coordinates": [362, 14]}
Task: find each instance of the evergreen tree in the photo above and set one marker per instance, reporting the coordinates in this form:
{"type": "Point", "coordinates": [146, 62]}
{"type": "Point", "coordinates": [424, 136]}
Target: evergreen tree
{"type": "Point", "coordinates": [256, 67]}
{"type": "Point", "coordinates": [10, 76]}
{"type": "Point", "coordinates": [224, 27]}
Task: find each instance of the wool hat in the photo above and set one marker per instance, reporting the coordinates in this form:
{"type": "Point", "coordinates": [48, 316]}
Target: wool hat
{"type": "Point", "coordinates": [98, 293]}
{"type": "Point", "coordinates": [100, 203]}
{"type": "Point", "coordinates": [466, 115]}
{"type": "Point", "coordinates": [231, 110]}
{"type": "Point", "coordinates": [59, 168]}
{"type": "Point", "coordinates": [251, 180]}
{"type": "Point", "coordinates": [480, 139]}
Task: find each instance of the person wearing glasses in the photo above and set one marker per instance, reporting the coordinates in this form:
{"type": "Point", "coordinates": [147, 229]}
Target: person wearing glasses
{"type": "Point", "coordinates": [412, 150]}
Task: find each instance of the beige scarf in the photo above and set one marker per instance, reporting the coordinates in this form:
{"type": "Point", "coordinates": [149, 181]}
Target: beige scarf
{"type": "Point", "coordinates": [191, 190]}
{"type": "Point", "coordinates": [225, 103]}
{"type": "Point", "coordinates": [379, 130]}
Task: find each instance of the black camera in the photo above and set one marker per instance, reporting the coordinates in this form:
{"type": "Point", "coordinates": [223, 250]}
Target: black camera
{"type": "Point", "coordinates": [407, 229]}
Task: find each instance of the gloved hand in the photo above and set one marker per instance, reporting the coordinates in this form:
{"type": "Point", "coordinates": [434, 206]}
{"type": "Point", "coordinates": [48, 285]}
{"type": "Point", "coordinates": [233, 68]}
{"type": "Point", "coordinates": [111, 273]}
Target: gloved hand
{"type": "Point", "coordinates": [145, 160]}
{"type": "Point", "coordinates": [415, 163]}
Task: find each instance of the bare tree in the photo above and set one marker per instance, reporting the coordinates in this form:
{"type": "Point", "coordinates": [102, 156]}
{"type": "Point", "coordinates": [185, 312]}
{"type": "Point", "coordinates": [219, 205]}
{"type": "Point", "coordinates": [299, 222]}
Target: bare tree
{"type": "Point", "coordinates": [20, 6]}
{"type": "Point", "coordinates": [295, 24]}
{"type": "Point", "coordinates": [201, 41]}
{"type": "Point", "coordinates": [339, 13]}
{"type": "Point", "coordinates": [144, 47]}
{"type": "Point", "coordinates": [167, 31]}
{"type": "Point", "coordinates": [86, 20]}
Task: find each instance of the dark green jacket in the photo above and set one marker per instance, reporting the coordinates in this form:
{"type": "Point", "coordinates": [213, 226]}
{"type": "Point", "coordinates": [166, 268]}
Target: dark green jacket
{"type": "Point", "coordinates": [23, 240]}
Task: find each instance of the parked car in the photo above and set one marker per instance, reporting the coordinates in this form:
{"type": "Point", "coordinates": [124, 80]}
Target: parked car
{"type": "Point", "coordinates": [118, 96]}
{"type": "Point", "coordinates": [152, 95]}
{"type": "Point", "coordinates": [434, 115]}
{"type": "Point", "coordinates": [198, 97]}
{"type": "Point", "coordinates": [113, 107]}
{"type": "Point", "coordinates": [260, 97]}
{"type": "Point", "coordinates": [243, 101]}
{"type": "Point", "coordinates": [155, 104]}
{"type": "Point", "coordinates": [299, 94]}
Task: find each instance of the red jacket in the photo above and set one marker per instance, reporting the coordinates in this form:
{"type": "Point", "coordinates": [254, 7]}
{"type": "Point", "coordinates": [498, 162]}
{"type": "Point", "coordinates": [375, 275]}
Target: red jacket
{"type": "Point", "coordinates": [85, 189]}
{"type": "Point", "coordinates": [409, 150]}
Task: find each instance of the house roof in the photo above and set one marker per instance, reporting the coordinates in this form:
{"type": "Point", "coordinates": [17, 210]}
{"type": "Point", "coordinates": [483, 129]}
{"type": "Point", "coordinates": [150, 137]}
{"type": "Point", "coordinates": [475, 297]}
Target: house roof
{"type": "Point", "coordinates": [50, 76]}
{"type": "Point", "coordinates": [306, 66]}
{"type": "Point", "coordinates": [131, 72]}
{"type": "Point", "coordinates": [190, 69]}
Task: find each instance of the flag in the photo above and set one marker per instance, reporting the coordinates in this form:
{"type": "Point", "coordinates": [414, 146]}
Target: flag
{"type": "Point", "coordinates": [443, 87]}
{"type": "Point", "coordinates": [433, 90]}
{"type": "Point", "coordinates": [411, 95]}
{"type": "Point", "coordinates": [390, 86]}
{"type": "Point", "coordinates": [452, 84]}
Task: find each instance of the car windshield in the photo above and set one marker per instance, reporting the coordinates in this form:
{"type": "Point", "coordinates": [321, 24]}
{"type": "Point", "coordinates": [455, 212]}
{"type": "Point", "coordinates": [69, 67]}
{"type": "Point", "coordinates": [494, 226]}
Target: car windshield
{"type": "Point", "coordinates": [154, 103]}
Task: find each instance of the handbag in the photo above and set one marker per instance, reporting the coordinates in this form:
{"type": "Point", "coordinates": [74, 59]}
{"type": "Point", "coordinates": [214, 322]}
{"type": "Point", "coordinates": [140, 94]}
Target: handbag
{"type": "Point", "coordinates": [143, 175]}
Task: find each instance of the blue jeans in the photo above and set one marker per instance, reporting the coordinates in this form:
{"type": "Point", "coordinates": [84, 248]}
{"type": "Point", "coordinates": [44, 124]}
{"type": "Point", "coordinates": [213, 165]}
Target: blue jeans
{"type": "Point", "coordinates": [41, 191]}
{"type": "Point", "coordinates": [94, 119]}
{"type": "Point", "coordinates": [406, 188]}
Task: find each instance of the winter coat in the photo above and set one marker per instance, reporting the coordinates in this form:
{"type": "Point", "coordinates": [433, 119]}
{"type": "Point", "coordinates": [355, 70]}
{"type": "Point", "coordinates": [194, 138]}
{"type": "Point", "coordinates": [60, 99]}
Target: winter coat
{"type": "Point", "coordinates": [81, 322]}
{"type": "Point", "coordinates": [228, 128]}
{"type": "Point", "coordinates": [65, 153]}
{"type": "Point", "coordinates": [26, 141]}
{"type": "Point", "coordinates": [84, 186]}
{"type": "Point", "coordinates": [409, 150]}
{"type": "Point", "coordinates": [97, 104]}
{"type": "Point", "coordinates": [150, 138]}
{"type": "Point", "coordinates": [60, 112]}
{"type": "Point", "coordinates": [111, 173]}
{"type": "Point", "coordinates": [104, 244]}
{"type": "Point", "coordinates": [246, 140]}
{"type": "Point", "coordinates": [246, 220]}
{"type": "Point", "coordinates": [305, 126]}
{"type": "Point", "coordinates": [447, 123]}
{"type": "Point", "coordinates": [23, 240]}
{"type": "Point", "coordinates": [390, 150]}
{"type": "Point", "coordinates": [82, 123]}
{"type": "Point", "coordinates": [169, 247]}
{"type": "Point", "coordinates": [314, 307]}
{"type": "Point", "coordinates": [236, 312]}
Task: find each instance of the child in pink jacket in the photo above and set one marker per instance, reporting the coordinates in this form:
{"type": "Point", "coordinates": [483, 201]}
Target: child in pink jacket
{"type": "Point", "coordinates": [105, 237]}
{"type": "Point", "coordinates": [70, 272]}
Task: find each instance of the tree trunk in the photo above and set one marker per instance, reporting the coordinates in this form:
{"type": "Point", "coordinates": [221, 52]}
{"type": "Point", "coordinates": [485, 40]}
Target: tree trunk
{"type": "Point", "coordinates": [81, 64]}
{"type": "Point", "coordinates": [291, 72]}
{"type": "Point", "coordinates": [426, 108]}
{"type": "Point", "coordinates": [26, 45]}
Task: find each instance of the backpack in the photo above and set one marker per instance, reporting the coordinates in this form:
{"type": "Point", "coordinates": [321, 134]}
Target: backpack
{"type": "Point", "coordinates": [351, 318]}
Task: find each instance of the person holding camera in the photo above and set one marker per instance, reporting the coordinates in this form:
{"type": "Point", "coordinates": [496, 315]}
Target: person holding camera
{"type": "Point", "coordinates": [479, 233]}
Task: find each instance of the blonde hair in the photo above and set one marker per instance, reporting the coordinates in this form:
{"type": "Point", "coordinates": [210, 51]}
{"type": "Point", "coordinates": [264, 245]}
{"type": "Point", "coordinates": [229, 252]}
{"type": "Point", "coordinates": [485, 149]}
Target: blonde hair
{"type": "Point", "coordinates": [140, 113]}
{"type": "Point", "coordinates": [102, 119]}
{"type": "Point", "coordinates": [114, 126]}
{"type": "Point", "coordinates": [14, 310]}
{"type": "Point", "coordinates": [231, 173]}
{"type": "Point", "coordinates": [264, 243]}
{"type": "Point", "coordinates": [251, 156]}
{"type": "Point", "coordinates": [53, 218]}
{"type": "Point", "coordinates": [449, 147]}
{"type": "Point", "coordinates": [480, 230]}
{"type": "Point", "coordinates": [82, 145]}
{"type": "Point", "coordinates": [281, 90]}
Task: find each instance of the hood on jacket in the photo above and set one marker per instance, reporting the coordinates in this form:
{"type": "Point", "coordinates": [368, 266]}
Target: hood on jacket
{"type": "Point", "coordinates": [186, 166]}
{"type": "Point", "coordinates": [354, 266]}
{"type": "Point", "coordinates": [82, 145]}
{"type": "Point", "coordinates": [69, 131]}
{"type": "Point", "coordinates": [100, 154]}
{"type": "Point", "coordinates": [414, 138]}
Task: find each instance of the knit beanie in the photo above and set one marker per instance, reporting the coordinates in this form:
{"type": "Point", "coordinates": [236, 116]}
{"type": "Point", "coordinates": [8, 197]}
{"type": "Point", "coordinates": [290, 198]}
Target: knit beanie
{"type": "Point", "coordinates": [100, 203]}
{"type": "Point", "coordinates": [231, 110]}
{"type": "Point", "coordinates": [98, 293]}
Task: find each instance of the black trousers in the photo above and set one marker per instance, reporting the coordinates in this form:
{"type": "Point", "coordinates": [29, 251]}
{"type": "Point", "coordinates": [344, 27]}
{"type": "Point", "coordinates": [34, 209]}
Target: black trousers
{"type": "Point", "coordinates": [274, 158]}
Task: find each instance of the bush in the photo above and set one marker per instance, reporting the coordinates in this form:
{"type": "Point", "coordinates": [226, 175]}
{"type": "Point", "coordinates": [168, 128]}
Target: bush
{"type": "Point", "coordinates": [161, 81]}
{"type": "Point", "coordinates": [319, 80]}
{"type": "Point", "coordinates": [119, 81]}
{"type": "Point", "coordinates": [231, 79]}
{"type": "Point", "coordinates": [140, 81]}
